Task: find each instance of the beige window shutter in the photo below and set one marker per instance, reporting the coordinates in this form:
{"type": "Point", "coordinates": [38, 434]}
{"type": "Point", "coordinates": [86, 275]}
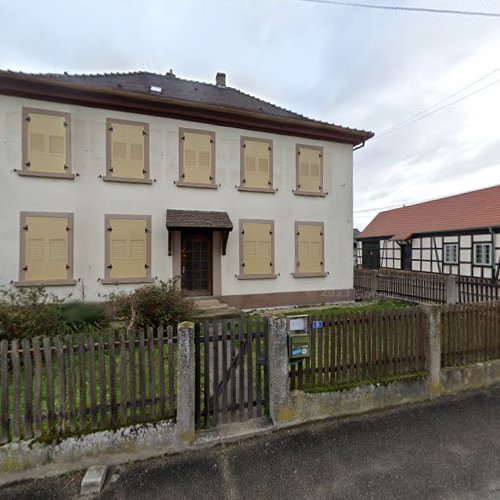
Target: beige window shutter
{"type": "Point", "coordinates": [197, 149]}
{"type": "Point", "coordinates": [46, 136]}
{"type": "Point", "coordinates": [257, 248]}
{"type": "Point", "coordinates": [310, 170]}
{"type": "Point", "coordinates": [256, 164]}
{"type": "Point", "coordinates": [127, 151]}
{"type": "Point", "coordinates": [309, 248]}
{"type": "Point", "coordinates": [46, 248]}
{"type": "Point", "coordinates": [128, 248]}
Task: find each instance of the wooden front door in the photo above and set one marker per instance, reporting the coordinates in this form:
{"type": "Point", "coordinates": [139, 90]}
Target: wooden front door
{"type": "Point", "coordinates": [196, 262]}
{"type": "Point", "coordinates": [371, 254]}
{"type": "Point", "coordinates": [406, 257]}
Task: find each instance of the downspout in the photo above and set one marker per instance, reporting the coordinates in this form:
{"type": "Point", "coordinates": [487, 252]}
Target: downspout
{"type": "Point", "coordinates": [359, 146]}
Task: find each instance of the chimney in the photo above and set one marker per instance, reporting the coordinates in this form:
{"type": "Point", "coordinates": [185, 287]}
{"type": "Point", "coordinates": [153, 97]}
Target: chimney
{"type": "Point", "coordinates": [220, 79]}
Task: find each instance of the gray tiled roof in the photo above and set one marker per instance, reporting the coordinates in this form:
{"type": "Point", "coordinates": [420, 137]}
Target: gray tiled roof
{"type": "Point", "coordinates": [198, 219]}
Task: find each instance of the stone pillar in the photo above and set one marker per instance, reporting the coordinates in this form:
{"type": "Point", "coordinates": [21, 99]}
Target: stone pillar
{"type": "Point", "coordinates": [433, 314]}
{"type": "Point", "coordinates": [452, 296]}
{"type": "Point", "coordinates": [185, 424]}
{"type": "Point", "coordinates": [278, 368]}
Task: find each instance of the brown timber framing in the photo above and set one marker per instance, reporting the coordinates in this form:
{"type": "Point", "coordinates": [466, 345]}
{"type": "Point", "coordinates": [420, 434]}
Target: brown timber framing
{"type": "Point", "coordinates": [36, 87]}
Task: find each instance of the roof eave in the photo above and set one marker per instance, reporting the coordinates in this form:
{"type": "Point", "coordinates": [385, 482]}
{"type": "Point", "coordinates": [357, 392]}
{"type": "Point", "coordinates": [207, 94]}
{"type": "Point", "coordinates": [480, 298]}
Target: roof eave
{"type": "Point", "coordinates": [36, 87]}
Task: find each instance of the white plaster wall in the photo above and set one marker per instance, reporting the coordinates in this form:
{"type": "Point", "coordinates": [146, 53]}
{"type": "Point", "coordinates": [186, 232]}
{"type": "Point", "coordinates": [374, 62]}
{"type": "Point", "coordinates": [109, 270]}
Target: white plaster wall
{"type": "Point", "coordinates": [89, 198]}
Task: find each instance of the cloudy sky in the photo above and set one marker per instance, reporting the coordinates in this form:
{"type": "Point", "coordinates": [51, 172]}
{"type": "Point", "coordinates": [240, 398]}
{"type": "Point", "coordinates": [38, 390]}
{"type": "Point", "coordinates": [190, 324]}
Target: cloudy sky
{"type": "Point", "coordinates": [357, 67]}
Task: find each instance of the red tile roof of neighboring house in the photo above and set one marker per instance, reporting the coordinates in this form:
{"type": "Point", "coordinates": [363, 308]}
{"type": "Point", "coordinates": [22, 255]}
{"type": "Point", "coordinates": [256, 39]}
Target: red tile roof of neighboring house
{"type": "Point", "coordinates": [476, 209]}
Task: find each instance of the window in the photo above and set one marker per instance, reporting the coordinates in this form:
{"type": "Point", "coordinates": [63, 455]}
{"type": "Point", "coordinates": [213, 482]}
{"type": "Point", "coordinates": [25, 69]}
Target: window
{"type": "Point", "coordinates": [256, 165]}
{"type": "Point", "coordinates": [309, 170]}
{"type": "Point", "coordinates": [46, 249]}
{"type": "Point", "coordinates": [197, 158]}
{"type": "Point", "coordinates": [309, 249]}
{"type": "Point", "coordinates": [256, 249]}
{"type": "Point", "coordinates": [127, 151]}
{"type": "Point", "coordinates": [482, 254]}
{"type": "Point", "coordinates": [46, 144]}
{"type": "Point", "coordinates": [451, 253]}
{"type": "Point", "coordinates": [128, 249]}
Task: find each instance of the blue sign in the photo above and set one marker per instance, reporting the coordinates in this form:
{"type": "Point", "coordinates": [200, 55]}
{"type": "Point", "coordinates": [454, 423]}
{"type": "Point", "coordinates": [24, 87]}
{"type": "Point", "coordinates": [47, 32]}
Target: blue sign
{"type": "Point", "coordinates": [317, 324]}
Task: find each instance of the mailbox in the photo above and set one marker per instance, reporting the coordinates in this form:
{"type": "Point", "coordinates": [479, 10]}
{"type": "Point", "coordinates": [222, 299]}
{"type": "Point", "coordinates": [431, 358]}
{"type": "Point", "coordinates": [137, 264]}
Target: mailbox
{"type": "Point", "coordinates": [298, 337]}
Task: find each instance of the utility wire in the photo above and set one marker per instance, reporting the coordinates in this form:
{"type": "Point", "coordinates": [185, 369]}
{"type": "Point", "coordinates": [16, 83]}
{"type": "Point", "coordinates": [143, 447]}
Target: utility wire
{"type": "Point", "coordinates": [416, 115]}
{"type": "Point", "coordinates": [429, 10]}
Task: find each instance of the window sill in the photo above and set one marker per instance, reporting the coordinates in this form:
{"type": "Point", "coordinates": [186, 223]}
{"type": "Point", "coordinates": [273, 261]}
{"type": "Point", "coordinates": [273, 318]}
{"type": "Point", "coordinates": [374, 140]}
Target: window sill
{"type": "Point", "coordinates": [50, 175]}
{"type": "Point", "coordinates": [256, 276]}
{"type": "Point", "coordinates": [309, 275]}
{"type": "Point", "coordinates": [124, 281]}
{"type": "Point", "coordinates": [130, 180]}
{"type": "Point", "coordinates": [257, 190]}
{"type": "Point", "coordinates": [307, 193]}
{"type": "Point", "coordinates": [45, 283]}
{"type": "Point", "coordinates": [196, 185]}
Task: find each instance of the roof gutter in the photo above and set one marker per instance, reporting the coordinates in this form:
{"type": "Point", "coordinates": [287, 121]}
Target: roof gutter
{"type": "Point", "coordinates": [43, 88]}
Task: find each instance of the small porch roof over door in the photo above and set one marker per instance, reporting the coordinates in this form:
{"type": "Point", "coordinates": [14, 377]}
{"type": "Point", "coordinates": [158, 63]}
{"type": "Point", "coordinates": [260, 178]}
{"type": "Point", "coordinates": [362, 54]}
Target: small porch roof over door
{"type": "Point", "coordinates": [199, 219]}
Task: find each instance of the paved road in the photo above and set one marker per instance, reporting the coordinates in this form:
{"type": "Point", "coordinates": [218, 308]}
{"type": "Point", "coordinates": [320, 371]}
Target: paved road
{"type": "Point", "coordinates": [446, 450]}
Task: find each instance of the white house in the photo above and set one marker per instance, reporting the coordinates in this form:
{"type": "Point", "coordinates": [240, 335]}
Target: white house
{"type": "Point", "coordinates": [110, 181]}
{"type": "Point", "coordinates": [457, 235]}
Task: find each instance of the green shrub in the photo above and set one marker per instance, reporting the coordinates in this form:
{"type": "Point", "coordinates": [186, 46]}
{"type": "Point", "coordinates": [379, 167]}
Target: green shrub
{"type": "Point", "coordinates": [153, 305]}
{"type": "Point", "coordinates": [29, 312]}
{"type": "Point", "coordinates": [77, 315]}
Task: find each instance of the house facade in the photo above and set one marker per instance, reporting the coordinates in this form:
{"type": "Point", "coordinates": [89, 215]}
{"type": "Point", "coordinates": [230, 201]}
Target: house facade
{"type": "Point", "coordinates": [112, 181]}
{"type": "Point", "coordinates": [457, 235]}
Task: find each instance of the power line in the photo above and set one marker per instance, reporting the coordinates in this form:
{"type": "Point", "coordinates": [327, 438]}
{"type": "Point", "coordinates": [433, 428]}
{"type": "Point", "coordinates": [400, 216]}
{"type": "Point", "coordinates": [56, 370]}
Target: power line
{"type": "Point", "coordinates": [430, 113]}
{"type": "Point", "coordinates": [428, 10]}
{"type": "Point", "coordinates": [416, 115]}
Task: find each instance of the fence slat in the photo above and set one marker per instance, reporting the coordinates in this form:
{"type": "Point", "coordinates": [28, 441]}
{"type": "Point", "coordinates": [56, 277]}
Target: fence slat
{"type": "Point", "coordinates": [222, 328]}
{"type": "Point", "coordinates": [49, 373]}
{"type": "Point", "coordinates": [249, 367]}
{"type": "Point", "coordinates": [102, 381]}
{"type": "Point", "coordinates": [206, 373]}
{"type": "Point", "coordinates": [28, 390]}
{"type": "Point", "coordinates": [82, 393]}
{"type": "Point", "coordinates": [258, 389]}
{"type": "Point", "coordinates": [92, 382]}
{"type": "Point", "coordinates": [171, 370]}
{"type": "Point", "coordinates": [197, 376]}
{"type": "Point", "coordinates": [16, 391]}
{"type": "Point", "coordinates": [151, 367]}
{"type": "Point", "coordinates": [215, 382]}
{"type": "Point", "coordinates": [241, 373]}
{"type": "Point", "coordinates": [161, 371]}
{"type": "Point", "coordinates": [71, 383]}
{"type": "Point", "coordinates": [123, 379]}
{"type": "Point", "coordinates": [233, 370]}
{"type": "Point", "coordinates": [61, 368]}
{"type": "Point", "coordinates": [4, 387]}
{"type": "Point", "coordinates": [142, 377]}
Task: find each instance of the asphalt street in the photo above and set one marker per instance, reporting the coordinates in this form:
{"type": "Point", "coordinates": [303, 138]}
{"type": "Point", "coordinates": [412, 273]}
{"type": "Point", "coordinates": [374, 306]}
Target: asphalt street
{"type": "Point", "coordinates": [448, 449]}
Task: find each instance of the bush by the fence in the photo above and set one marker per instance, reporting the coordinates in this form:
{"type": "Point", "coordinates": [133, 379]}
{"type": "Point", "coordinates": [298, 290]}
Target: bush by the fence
{"type": "Point", "coordinates": [29, 312]}
{"type": "Point", "coordinates": [78, 315]}
{"type": "Point", "coordinates": [154, 305]}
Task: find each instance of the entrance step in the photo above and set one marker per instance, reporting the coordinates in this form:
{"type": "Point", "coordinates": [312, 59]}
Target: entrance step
{"type": "Point", "coordinates": [210, 307]}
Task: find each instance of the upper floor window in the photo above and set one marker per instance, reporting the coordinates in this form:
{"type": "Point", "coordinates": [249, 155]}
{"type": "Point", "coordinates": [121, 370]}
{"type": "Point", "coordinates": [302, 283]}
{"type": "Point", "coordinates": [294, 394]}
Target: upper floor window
{"type": "Point", "coordinates": [309, 170]}
{"type": "Point", "coordinates": [451, 253]}
{"type": "Point", "coordinates": [256, 249]}
{"type": "Point", "coordinates": [482, 254]}
{"type": "Point", "coordinates": [128, 249]}
{"type": "Point", "coordinates": [256, 165]}
{"type": "Point", "coordinates": [46, 144]}
{"type": "Point", "coordinates": [127, 151]}
{"type": "Point", "coordinates": [46, 249]}
{"type": "Point", "coordinates": [309, 249]}
{"type": "Point", "coordinates": [196, 158]}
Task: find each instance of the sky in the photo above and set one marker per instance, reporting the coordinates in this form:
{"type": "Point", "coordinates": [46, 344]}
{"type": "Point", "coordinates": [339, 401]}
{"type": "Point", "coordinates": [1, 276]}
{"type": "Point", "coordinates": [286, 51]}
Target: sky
{"type": "Point", "coordinates": [362, 68]}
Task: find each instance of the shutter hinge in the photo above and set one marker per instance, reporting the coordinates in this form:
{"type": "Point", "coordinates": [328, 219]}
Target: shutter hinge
{"type": "Point", "coordinates": [320, 155]}
{"type": "Point", "coordinates": [144, 132]}
{"type": "Point", "coordinates": [298, 233]}
{"type": "Point", "coordinates": [242, 231]}
{"type": "Point", "coordinates": [25, 227]}
{"type": "Point", "coordinates": [244, 180]}
{"type": "Point", "coordinates": [111, 169]}
{"type": "Point", "coordinates": [270, 264]}
{"type": "Point", "coordinates": [25, 268]}
{"type": "Point", "coordinates": [68, 228]}
{"type": "Point", "coordinates": [244, 145]}
{"type": "Point", "coordinates": [211, 178]}
{"type": "Point", "coordinates": [146, 266]}
{"type": "Point", "coordinates": [298, 152]}
{"type": "Point", "coordinates": [28, 163]}
{"type": "Point", "coordinates": [183, 137]}
{"type": "Point", "coordinates": [269, 183]}
{"type": "Point", "coordinates": [146, 230]}
{"type": "Point", "coordinates": [211, 141]}
{"type": "Point", "coordinates": [183, 175]}
{"type": "Point", "coordinates": [144, 171]}
{"type": "Point", "coordinates": [321, 262]}
{"type": "Point", "coordinates": [68, 266]}
{"type": "Point", "coordinates": [110, 129]}
{"type": "Point", "coordinates": [65, 124]}
{"type": "Point", "coordinates": [66, 167]}
{"type": "Point", "coordinates": [270, 232]}
{"type": "Point", "coordinates": [269, 148]}
{"type": "Point", "coordinates": [321, 233]}
{"type": "Point", "coordinates": [298, 185]}
{"type": "Point", "coordinates": [109, 266]}
{"type": "Point", "coordinates": [28, 118]}
{"type": "Point", "coordinates": [109, 228]}
{"type": "Point", "coordinates": [320, 188]}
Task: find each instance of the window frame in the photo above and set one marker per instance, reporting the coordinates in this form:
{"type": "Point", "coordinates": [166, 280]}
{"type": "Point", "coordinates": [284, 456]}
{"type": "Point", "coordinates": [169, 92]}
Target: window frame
{"type": "Point", "coordinates": [242, 275]}
{"type": "Point", "coordinates": [108, 280]}
{"type": "Point", "coordinates": [474, 260]}
{"type": "Point", "coordinates": [242, 186]}
{"type": "Point", "coordinates": [69, 281]}
{"type": "Point", "coordinates": [109, 177]}
{"type": "Point", "coordinates": [322, 273]}
{"type": "Point", "coordinates": [298, 191]}
{"type": "Point", "coordinates": [180, 182]}
{"type": "Point", "coordinates": [455, 262]}
{"type": "Point", "coordinates": [25, 171]}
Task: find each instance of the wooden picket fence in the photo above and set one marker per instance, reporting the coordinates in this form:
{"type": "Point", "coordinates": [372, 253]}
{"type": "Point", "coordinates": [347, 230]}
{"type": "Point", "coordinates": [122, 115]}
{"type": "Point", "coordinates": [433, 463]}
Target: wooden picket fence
{"type": "Point", "coordinates": [357, 347]}
{"type": "Point", "coordinates": [477, 289]}
{"type": "Point", "coordinates": [470, 333]}
{"type": "Point", "coordinates": [72, 385]}
{"type": "Point", "coordinates": [231, 370]}
{"type": "Point", "coordinates": [364, 280]}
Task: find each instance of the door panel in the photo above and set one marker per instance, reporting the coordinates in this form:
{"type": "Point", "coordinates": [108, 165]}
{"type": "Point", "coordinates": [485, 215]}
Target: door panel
{"type": "Point", "coordinates": [371, 254]}
{"type": "Point", "coordinates": [406, 257]}
{"type": "Point", "coordinates": [196, 263]}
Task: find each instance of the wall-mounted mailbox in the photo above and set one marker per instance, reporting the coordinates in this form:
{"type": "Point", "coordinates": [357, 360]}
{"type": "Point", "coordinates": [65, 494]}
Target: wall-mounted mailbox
{"type": "Point", "coordinates": [298, 337]}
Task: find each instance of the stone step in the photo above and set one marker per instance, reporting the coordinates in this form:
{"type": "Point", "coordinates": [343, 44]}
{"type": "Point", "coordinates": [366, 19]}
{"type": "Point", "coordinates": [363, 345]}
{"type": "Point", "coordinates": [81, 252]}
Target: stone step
{"type": "Point", "coordinates": [209, 302]}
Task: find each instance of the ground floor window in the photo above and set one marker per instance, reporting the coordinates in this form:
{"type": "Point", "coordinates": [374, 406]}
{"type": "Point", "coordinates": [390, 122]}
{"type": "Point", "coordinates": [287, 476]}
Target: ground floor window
{"type": "Point", "coordinates": [451, 253]}
{"type": "Point", "coordinates": [482, 254]}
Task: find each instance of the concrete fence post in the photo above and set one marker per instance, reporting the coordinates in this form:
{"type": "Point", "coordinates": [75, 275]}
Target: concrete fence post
{"type": "Point", "coordinates": [278, 368]}
{"type": "Point", "coordinates": [433, 313]}
{"type": "Point", "coordinates": [185, 424]}
{"type": "Point", "coordinates": [374, 285]}
{"type": "Point", "coordinates": [452, 295]}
